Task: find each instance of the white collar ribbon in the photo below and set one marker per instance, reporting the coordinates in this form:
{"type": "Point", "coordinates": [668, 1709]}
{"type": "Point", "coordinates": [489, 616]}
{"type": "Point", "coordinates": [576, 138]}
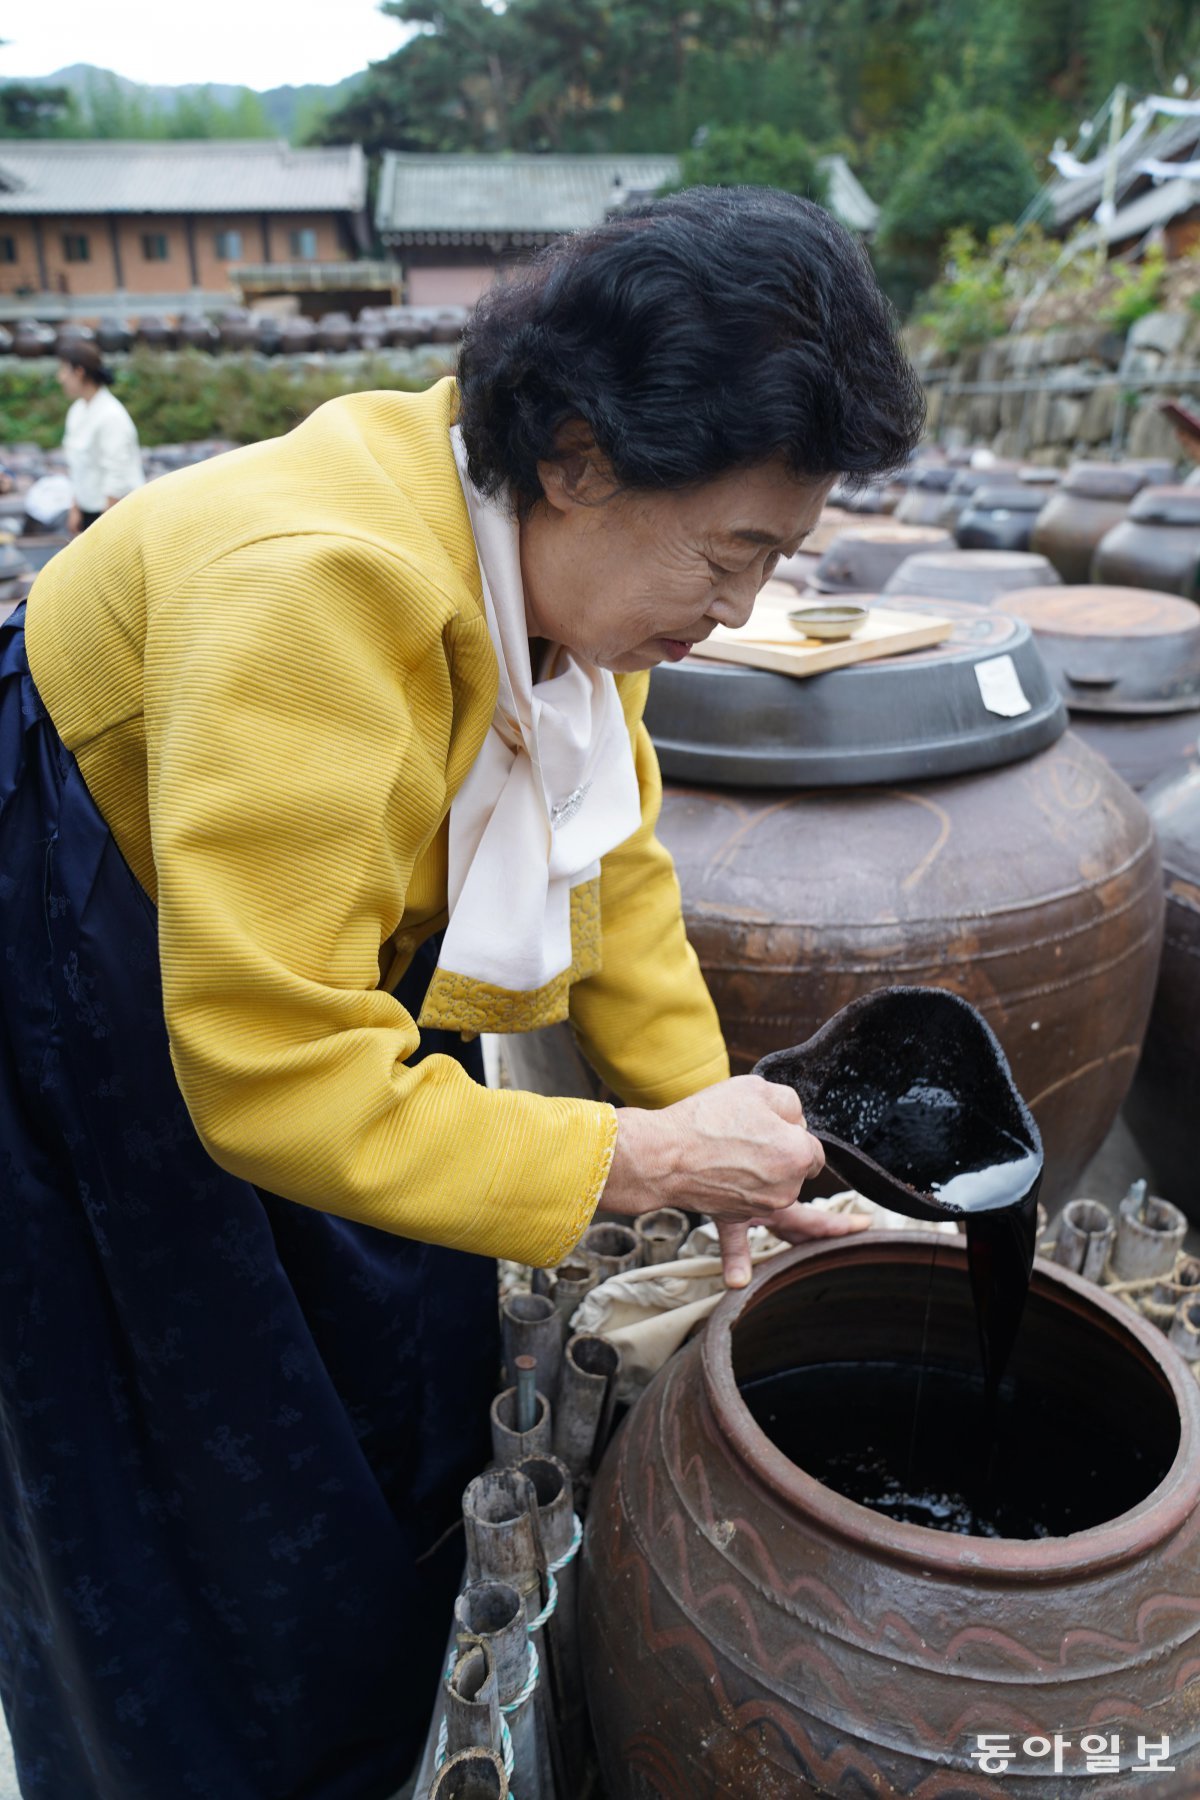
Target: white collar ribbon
{"type": "Point", "coordinates": [553, 789]}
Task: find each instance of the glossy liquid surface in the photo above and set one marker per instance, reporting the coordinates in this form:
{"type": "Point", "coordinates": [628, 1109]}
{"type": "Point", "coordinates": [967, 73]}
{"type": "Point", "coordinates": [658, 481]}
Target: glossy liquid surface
{"type": "Point", "coordinates": [939, 1144]}
{"type": "Point", "coordinates": [1034, 1470]}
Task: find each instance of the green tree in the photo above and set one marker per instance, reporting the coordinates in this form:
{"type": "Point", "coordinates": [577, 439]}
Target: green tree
{"type": "Point", "coordinates": [972, 171]}
{"type": "Point", "coordinates": [755, 156]}
{"type": "Point", "coordinates": [199, 114]}
{"type": "Point", "coordinates": [29, 110]}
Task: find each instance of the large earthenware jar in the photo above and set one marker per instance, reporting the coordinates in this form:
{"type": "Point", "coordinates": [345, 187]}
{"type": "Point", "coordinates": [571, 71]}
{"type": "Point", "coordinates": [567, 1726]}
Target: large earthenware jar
{"type": "Point", "coordinates": [238, 328]}
{"type": "Point", "coordinates": [924, 500]}
{"type": "Point", "coordinates": [1092, 499]}
{"type": "Point", "coordinates": [1157, 545]}
{"type": "Point", "coordinates": [860, 559]}
{"type": "Point", "coordinates": [197, 332]}
{"type": "Point", "coordinates": [752, 1633]}
{"type": "Point", "coordinates": [1164, 1105]}
{"type": "Point", "coordinates": [1000, 516]}
{"type": "Point", "coordinates": [1127, 663]}
{"type": "Point", "coordinates": [1031, 889]}
{"type": "Point", "coordinates": [32, 339]}
{"type": "Point", "coordinates": [335, 331]}
{"type": "Point", "coordinates": [155, 332]}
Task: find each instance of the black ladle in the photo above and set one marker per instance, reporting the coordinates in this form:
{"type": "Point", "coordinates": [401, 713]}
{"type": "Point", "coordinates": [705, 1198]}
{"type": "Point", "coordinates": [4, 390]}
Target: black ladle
{"type": "Point", "coordinates": [884, 1047]}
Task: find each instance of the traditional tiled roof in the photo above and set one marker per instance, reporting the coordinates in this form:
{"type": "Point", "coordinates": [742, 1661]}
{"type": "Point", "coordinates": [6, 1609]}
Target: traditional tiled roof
{"type": "Point", "coordinates": [1146, 212]}
{"type": "Point", "coordinates": [210, 176]}
{"type": "Point", "coordinates": [848, 199]}
{"type": "Point", "coordinates": [1072, 201]}
{"type": "Point", "coordinates": [444, 198]}
{"type": "Point", "coordinates": [523, 195]}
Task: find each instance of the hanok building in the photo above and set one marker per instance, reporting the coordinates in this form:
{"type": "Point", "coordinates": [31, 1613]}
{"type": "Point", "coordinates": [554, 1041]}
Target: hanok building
{"type": "Point", "coordinates": [1155, 191]}
{"type": "Point", "coordinates": [85, 224]}
{"type": "Point", "coordinates": [453, 221]}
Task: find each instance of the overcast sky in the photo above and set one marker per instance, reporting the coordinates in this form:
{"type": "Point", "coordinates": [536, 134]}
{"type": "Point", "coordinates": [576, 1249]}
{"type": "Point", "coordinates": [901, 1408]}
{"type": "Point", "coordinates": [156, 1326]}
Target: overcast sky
{"type": "Point", "coordinates": [251, 43]}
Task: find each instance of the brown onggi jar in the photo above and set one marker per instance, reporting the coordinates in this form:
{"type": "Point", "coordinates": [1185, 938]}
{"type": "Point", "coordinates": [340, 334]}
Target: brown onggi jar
{"type": "Point", "coordinates": [1157, 545]}
{"type": "Point", "coordinates": [1092, 499]}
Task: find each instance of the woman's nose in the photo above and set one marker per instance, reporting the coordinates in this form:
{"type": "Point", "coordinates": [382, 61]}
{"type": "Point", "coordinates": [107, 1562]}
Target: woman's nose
{"type": "Point", "coordinates": [735, 602]}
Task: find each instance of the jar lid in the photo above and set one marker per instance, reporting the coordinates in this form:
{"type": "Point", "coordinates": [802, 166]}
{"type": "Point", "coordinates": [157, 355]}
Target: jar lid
{"type": "Point", "coordinates": [1115, 649]}
{"type": "Point", "coordinates": [937, 478]}
{"type": "Point", "coordinates": [860, 560]}
{"type": "Point", "coordinates": [1104, 481]}
{"type": "Point", "coordinates": [977, 576]}
{"type": "Point", "coordinates": [1014, 497]}
{"type": "Point", "coordinates": [898, 718]}
{"type": "Point", "coordinates": [1167, 506]}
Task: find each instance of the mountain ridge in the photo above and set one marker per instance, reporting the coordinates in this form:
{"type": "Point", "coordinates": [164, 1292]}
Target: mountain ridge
{"type": "Point", "coordinates": [284, 106]}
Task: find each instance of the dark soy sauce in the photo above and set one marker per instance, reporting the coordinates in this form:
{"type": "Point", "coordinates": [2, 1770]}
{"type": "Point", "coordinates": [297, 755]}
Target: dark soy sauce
{"type": "Point", "coordinates": [909, 1091]}
{"type": "Point", "coordinates": [933, 1141]}
{"type": "Point", "coordinates": [848, 1424]}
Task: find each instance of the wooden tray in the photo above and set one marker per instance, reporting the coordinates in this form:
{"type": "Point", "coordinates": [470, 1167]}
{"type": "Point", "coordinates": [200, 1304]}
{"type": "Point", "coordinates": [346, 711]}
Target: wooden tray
{"type": "Point", "coordinates": [767, 641]}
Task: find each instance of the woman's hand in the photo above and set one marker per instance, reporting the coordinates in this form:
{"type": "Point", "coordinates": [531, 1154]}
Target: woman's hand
{"type": "Point", "coordinates": [738, 1151]}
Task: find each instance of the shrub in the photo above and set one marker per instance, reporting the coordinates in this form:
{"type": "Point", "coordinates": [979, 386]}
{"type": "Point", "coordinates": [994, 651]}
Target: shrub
{"type": "Point", "coordinates": [177, 399]}
{"type": "Point", "coordinates": [755, 156]}
{"type": "Point", "coordinates": [971, 173]}
{"type": "Point", "coordinates": [1137, 289]}
{"type": "Point", "coordinates": [969, 304]}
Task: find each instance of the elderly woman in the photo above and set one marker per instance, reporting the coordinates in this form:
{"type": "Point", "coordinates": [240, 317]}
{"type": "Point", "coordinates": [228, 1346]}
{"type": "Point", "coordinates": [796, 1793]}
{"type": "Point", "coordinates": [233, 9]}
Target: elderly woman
{"type": "Point", "coordinates": [316, 761]}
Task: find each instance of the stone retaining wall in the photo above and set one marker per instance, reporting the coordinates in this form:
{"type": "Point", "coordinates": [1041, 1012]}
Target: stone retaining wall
{"type": "Point", "coordinates": [1082, 392]}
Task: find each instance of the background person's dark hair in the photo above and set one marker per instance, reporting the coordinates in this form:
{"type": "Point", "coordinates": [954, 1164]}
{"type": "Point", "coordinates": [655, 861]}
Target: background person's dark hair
{"type": "Point", "coordinates": [87, 359]}
{"type": "Point", "coordinates": [711, 330]}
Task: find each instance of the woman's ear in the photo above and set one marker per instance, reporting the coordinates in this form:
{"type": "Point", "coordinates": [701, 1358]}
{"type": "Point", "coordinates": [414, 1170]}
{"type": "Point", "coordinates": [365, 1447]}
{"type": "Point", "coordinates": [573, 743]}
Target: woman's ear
{"type": "Point", "coordinates": [579, 473]}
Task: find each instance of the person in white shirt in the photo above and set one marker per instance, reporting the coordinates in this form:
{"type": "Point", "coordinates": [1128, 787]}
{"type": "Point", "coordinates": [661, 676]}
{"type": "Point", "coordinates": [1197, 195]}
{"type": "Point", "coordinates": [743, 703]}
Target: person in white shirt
{"type": "Point", "coordinates": [104, 459]}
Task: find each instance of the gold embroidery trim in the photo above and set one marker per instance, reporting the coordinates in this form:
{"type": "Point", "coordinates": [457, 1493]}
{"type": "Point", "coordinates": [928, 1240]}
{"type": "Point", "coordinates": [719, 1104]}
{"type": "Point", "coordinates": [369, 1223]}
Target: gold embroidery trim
{"type": "Point", "coordinates": [457, 1003]}
{"type": "Point", "coordinates": [589, 1200]}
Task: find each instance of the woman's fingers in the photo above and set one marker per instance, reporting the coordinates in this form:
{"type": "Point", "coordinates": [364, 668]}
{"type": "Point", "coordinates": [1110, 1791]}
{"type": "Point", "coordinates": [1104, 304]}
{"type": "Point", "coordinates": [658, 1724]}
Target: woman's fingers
{"type": "Point", "coordinates": [782, 1100]}
{"type": "Point", "coordinates": [735, 1252]}
{"type": "Point", "coordinates": [798, 1222]}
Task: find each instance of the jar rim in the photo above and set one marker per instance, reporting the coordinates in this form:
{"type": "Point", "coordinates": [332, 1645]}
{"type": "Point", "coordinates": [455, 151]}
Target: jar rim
{"type": "Point", "coordinates": [1156, 1518]}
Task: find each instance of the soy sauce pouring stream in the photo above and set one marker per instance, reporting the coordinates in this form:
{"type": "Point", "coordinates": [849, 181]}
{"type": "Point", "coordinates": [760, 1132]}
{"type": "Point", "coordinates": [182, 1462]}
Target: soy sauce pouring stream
{"type": "Point", "coordinates": [912, 1097]}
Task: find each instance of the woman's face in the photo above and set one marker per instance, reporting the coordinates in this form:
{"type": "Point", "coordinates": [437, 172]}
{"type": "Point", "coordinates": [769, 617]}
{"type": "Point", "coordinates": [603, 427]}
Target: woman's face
{"type": "Point", "coordinates": [631, 579]}
{"type": "Point", "coordinates": [72, 381]}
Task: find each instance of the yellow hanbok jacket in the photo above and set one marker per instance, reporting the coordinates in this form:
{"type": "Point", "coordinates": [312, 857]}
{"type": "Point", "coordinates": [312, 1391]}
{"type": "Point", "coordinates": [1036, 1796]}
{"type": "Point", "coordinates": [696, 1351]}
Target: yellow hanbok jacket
{"type": "Point", "coordinates": [274, 671]}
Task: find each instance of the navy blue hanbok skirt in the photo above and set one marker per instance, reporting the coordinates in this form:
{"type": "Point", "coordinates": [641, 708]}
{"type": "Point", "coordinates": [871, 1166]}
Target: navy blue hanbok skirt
{"type": "Point", "coordinates": [234, 1432]}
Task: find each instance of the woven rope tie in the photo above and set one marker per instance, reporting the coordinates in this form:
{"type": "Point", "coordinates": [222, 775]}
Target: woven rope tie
{"type": "Point", "coordinates": [552, 1569]}
{"type": "Point", "coordinates": [572, 1549]}
{"type": "Point", "coordinates": [548, 1610]}
{"type": "Point", "coordinates": [533, 1670]}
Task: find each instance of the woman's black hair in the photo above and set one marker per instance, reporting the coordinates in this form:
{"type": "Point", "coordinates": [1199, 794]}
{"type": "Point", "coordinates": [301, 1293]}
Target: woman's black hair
{"type": "Point", "coordinates": [711, 330]}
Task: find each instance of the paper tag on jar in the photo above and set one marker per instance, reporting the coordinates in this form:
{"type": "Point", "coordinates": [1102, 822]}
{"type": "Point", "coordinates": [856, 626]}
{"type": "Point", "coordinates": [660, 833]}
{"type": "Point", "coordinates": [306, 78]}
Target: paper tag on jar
{"type": "Point", "coordinates": [1000, 687]}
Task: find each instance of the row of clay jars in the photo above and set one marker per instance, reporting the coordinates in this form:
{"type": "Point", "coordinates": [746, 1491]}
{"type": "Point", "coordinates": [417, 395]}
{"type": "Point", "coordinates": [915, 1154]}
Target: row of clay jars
{"type": "Point", "coordinates": [1164, 1102]}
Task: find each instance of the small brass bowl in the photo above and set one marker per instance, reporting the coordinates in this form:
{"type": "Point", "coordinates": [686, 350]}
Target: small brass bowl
{"type": "Point", "coordinates": [828, 622]}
